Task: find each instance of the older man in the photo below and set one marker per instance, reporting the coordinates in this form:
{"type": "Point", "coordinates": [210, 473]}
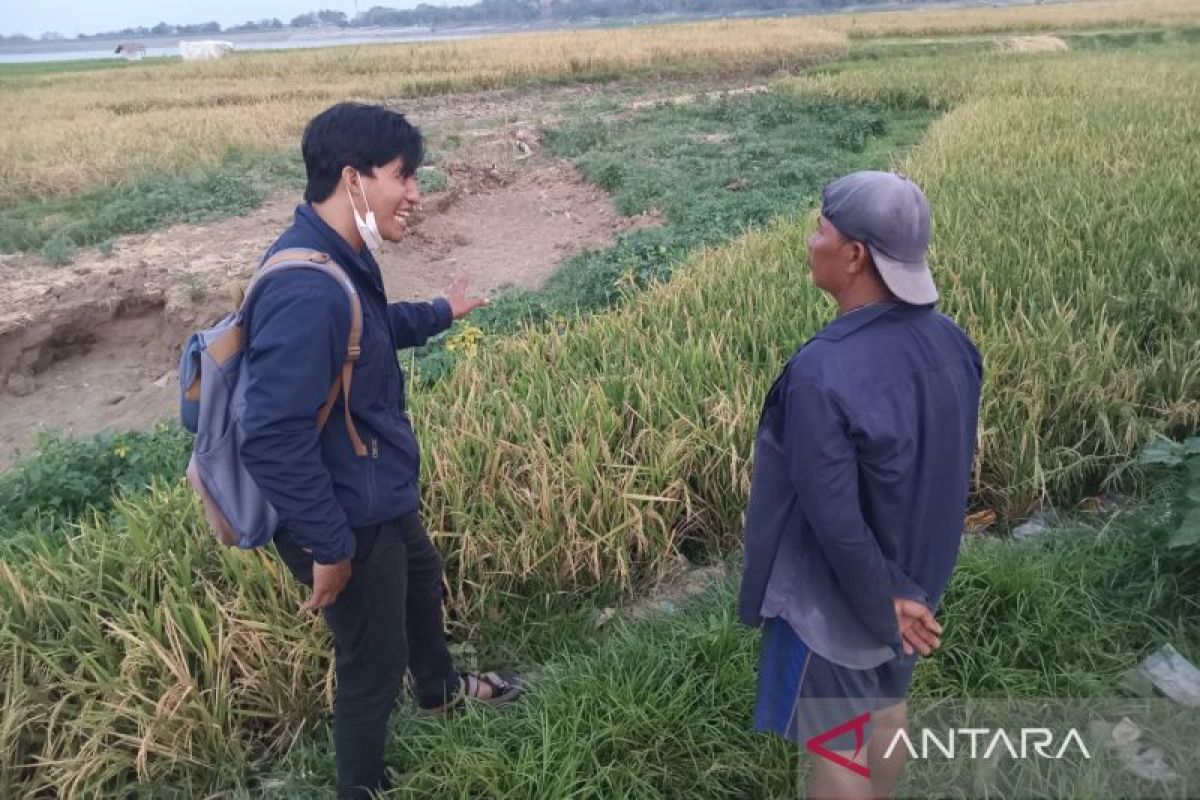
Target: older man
{"type": "Point", "coordinates": [862, 468]}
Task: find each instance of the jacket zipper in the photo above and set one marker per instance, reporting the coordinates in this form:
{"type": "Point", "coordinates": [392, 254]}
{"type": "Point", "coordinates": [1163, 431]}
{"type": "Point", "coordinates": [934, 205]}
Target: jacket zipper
{"type": "Point", "coordinates": [371, 475]}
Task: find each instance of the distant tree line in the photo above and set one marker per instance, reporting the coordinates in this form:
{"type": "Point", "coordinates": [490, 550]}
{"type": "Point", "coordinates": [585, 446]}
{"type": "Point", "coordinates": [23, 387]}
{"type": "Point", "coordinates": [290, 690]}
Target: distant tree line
{"type": "Point", "coordinates": [481, 12]}
{"type": "Point", "coordinates": [514, 11]}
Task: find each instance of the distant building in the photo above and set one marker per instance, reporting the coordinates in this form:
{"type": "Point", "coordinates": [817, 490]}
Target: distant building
{"type": "Point", "coordinates": [130, 51]}
{"type": "Point", "coordinates": [204, 51]}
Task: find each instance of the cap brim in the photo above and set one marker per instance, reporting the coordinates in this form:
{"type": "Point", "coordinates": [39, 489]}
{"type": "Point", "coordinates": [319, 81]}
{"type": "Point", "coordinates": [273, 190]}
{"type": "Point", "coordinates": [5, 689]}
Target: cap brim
{"type": "Point", "coordinates": [912, 282]}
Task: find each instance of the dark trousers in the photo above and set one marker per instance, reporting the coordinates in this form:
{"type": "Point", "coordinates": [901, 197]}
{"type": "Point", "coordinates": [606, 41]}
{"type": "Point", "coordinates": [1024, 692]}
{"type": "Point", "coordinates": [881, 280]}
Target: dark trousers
{"type": "Point", "coordinates": [388, 617]}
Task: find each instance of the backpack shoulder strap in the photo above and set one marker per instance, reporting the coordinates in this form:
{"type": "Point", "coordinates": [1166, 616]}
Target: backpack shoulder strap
{"type": "Point", "coordinates": [291, 258]}
{"type": "Point", "coordinates": [305, 258]}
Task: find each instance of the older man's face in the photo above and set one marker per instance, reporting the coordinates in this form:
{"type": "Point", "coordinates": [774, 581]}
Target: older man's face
{"type": "Point", "coordinates": [830, 256]}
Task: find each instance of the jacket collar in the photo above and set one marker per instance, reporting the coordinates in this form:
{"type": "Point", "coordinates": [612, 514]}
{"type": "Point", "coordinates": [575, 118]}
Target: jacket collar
{"type": "Point", "coordinates": [363, 263]}
{"type": "Point", "coordinates": [847, 324]}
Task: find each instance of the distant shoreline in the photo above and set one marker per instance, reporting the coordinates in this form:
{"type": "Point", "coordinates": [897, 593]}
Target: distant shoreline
{"type": "Point", "coordinates": [298, 38]}
{"type": "Point", "coordinates": [158, 46]}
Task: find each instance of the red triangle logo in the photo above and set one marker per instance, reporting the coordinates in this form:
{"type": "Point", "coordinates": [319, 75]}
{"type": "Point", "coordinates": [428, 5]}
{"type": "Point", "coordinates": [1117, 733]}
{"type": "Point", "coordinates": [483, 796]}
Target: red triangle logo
{"type": "Point", "coordinates": [815, 745]}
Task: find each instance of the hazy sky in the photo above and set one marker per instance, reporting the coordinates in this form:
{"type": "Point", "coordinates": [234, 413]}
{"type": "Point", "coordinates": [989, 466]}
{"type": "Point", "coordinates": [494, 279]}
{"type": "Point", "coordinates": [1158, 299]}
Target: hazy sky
{"type": "Point", "coordinates": [69, 17]}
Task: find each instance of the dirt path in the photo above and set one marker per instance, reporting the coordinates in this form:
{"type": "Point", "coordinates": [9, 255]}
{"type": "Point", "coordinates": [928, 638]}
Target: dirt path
{"type": "Point", "coordinates": [94, 346]}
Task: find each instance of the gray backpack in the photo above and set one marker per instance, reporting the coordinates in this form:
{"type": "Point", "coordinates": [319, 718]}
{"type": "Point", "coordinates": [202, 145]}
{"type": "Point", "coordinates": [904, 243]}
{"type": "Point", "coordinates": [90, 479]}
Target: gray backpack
{"type": "Point", "coordinates": [212, 385]}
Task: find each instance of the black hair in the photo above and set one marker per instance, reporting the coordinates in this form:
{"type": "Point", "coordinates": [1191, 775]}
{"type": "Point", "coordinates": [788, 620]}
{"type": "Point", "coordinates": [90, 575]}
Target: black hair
{"type": "Point", "coordinates": [358, 135]}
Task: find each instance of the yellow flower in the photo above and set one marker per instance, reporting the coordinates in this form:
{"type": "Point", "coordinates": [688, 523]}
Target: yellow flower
{"type": "Point", "coordinates": [467, 340]}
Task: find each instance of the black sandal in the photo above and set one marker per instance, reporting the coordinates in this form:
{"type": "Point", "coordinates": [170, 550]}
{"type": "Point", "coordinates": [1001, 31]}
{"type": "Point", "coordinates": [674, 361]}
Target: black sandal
{"type": "Point", "coordinates": [502, 688]}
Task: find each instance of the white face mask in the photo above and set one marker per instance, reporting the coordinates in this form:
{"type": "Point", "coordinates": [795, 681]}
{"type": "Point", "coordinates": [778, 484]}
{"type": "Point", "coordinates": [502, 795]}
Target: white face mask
{"type": "Point", "coordinates": [367, 228]}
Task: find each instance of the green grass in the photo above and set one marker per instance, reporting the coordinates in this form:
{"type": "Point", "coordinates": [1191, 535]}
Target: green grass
{"type": "Point", "coordinates": [1139, 39]}
{"type": "Point", "coordinates": [713, 169]}
{"type": "Point", "coordinates": [58, 228]}
{"type": "Point", "coordinates": [951, 46]}
{"type": "Point", "coordinates": [36, 68]}
{"type": "Point", "coordinates": [1068, 614]}
{"type": "Point", "coordinates": [118, 631]}
{"type": "Point", "coordinates": [655, 710]}
{"type": "Point", "coordinates": [663, 708]}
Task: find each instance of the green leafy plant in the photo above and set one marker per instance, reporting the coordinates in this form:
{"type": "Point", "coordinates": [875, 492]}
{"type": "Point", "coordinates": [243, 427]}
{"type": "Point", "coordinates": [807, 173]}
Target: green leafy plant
{"type": "Point", "coordinates": [432, 179]}
{"type": "Point", "coordinates": [67, 478]}
{"type": "Point", "coordinates": [1183, 458]}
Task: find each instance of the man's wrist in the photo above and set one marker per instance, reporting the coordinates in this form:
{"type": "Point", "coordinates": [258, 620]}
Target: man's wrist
{"type": "Point", "coordinates": [344, 549]}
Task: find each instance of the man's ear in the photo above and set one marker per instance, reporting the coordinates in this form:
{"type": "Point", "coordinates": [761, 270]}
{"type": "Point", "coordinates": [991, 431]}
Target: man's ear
{"type": "Point", "coordinates": [860, 257]}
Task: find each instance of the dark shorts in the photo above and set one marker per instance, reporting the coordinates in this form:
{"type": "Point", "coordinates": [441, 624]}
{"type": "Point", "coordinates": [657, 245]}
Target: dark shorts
{"type": "Point", "coordinates": [802, 695]}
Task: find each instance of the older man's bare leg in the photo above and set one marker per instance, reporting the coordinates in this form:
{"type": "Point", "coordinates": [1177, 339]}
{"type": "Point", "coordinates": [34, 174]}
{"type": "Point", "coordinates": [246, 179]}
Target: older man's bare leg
{"type": "Point", "coordinates": [830, 781]}
{"type": "Point", "coordinates": [886, 772]}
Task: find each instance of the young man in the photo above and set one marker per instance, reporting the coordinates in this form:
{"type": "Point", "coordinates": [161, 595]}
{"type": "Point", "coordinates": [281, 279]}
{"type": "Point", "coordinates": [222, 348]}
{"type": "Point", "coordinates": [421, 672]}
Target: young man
{"type": "Point", "coordinates": [862, 467]}
{"type": "Point", "coordinates": [351, 528]}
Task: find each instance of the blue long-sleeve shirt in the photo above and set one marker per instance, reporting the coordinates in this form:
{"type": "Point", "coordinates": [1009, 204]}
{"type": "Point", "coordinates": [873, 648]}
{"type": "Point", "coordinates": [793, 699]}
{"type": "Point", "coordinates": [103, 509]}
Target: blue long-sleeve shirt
{"type": "Point", "coordinates": [298, 327]}
{"type": "Point", "coordinates": [862, 469]}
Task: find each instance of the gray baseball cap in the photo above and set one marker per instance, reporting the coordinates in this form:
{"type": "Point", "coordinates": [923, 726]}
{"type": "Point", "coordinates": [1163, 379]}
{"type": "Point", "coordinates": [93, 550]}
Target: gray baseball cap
{"type": "Point", "coordinates": [888, 213]}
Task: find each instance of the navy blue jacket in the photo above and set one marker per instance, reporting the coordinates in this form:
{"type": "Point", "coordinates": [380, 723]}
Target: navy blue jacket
{"type": "Point", "coordinates": [861, 475]}
{"type": "Point", "coordinates": [298, 326]}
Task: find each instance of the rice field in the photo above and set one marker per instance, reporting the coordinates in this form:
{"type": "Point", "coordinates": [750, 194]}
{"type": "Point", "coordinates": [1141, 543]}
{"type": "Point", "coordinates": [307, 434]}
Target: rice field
{"type": "Point", "coordinates": [1063, 183]}
{"type": "Point", "coordinates": [1063, 245]}
{"type": "Point", "coordinates": [1091, 14]}
{"type": "Point", "coordinates": [65, 132]}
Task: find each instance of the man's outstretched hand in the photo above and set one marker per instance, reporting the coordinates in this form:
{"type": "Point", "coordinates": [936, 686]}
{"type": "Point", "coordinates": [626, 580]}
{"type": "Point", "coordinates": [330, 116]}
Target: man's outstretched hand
{"type": "Point", "coordinates": [919, 631]}
{"type": "Point", "coordinates": [461, 301]}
